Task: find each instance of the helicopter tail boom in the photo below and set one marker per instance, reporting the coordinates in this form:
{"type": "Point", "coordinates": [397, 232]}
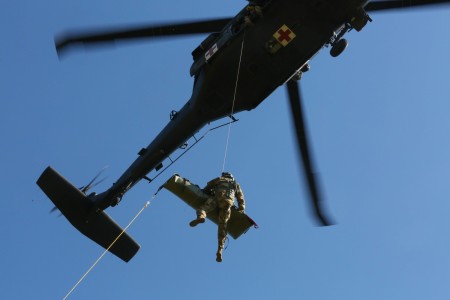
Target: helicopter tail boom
{"type": "Point", "coordinates": [76, 207]}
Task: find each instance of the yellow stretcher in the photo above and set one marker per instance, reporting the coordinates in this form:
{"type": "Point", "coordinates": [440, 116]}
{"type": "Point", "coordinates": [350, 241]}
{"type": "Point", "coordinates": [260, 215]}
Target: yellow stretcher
{"type": "Point", "coordinates": [193, 195]}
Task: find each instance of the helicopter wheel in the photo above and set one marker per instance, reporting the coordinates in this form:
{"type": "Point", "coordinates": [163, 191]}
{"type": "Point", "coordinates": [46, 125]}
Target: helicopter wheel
{"type": "Point", "coordinates": [338, 47]}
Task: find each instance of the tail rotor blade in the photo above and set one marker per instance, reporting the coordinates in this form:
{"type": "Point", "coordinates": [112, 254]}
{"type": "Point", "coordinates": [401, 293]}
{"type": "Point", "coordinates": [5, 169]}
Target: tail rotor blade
{"type": "Point", "coordinates": [55, 209]}
{"type": "Point", "coordinates": [302, 140]}
{"type": "Point", "coordinates": [92, 183]}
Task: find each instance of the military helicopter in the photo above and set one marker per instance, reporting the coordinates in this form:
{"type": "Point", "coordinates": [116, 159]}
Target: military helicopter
{"type": "Point", "coordinates": [281, 38]}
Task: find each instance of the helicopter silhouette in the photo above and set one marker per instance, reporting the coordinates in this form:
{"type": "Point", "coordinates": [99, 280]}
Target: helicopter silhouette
{"type": "Point", "coordinates": [280, 36]}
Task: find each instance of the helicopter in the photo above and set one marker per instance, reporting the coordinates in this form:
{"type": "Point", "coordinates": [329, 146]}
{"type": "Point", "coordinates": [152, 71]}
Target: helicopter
{"type": "Point", "coordinates": [281, 38]}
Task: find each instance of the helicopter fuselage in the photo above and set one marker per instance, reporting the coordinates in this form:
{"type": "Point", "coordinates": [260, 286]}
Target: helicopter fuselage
{"type": "Point", "coordinates": [238, 68]}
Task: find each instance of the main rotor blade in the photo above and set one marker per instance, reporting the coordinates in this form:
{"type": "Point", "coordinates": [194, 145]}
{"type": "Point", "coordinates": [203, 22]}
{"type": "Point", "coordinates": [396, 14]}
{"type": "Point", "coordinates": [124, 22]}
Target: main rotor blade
{"type": "Point", "coordinates": [401, 4]}
{"type": "Point", "coordinates": [302, 140]}
{"type": "Point", "coordinates": [64, 41]}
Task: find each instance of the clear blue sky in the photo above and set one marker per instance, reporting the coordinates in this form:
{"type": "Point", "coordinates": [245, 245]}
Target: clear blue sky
{"type": "Point", "coordinates": [380, 127]}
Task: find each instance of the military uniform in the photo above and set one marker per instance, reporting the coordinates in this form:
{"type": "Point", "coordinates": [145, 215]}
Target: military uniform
{"type": "Point", "coordinates": [223, 190]}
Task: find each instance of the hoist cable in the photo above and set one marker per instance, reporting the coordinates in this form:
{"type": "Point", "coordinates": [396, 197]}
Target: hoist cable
{"type": "Point", "coordinates": [234, 100]}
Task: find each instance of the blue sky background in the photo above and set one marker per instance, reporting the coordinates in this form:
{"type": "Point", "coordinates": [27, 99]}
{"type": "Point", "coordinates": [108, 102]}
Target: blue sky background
{"type": "Point", "coordinates": [379, 125]}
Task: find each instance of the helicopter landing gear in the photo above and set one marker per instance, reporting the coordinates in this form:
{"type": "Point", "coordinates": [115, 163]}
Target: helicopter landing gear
{"type": "Point", "coordinates": [338, 47]}
{"type": "Point", "coordinates": [337, 43]}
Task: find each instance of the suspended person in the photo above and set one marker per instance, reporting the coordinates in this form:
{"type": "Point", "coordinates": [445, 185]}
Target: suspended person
{"type": "Point", "coordinates": [223, 190]}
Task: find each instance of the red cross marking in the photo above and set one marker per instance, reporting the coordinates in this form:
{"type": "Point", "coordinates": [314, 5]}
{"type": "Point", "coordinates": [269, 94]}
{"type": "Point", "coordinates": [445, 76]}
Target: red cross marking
{"type": "Point", "coordinates": [284, 35]}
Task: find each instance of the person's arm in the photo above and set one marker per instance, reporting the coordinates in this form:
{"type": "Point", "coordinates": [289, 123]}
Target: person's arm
{"type": "Point", "coordinates": [240, 198]}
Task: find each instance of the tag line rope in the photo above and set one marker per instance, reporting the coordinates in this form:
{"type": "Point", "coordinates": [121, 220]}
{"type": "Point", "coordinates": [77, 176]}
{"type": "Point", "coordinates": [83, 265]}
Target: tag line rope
{"type": "Point", "coordinates": [112, 244]}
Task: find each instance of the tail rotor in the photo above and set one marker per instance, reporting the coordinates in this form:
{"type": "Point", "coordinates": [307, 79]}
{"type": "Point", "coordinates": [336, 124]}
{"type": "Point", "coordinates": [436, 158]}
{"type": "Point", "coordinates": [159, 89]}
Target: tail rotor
{"type": "Point", "coordinates": [85, 188]}
{"type": "Point", "coordinates": [93, 182]}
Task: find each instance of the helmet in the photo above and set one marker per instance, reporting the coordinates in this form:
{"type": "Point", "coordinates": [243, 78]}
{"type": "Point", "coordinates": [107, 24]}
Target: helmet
{"type": "Point", "coordinates": [227, 175]}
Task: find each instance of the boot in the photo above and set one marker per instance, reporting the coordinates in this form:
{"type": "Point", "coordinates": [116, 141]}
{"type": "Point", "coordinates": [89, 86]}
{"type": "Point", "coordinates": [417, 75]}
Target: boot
{"type": "Point", "coordinates": [255, 9]}
{"type": "Point", "coordinates": [197, 221]}
{"type": "Point", "coordinates": [219, 255]}
{"type": "Point", "coordinates": [258, 10]}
